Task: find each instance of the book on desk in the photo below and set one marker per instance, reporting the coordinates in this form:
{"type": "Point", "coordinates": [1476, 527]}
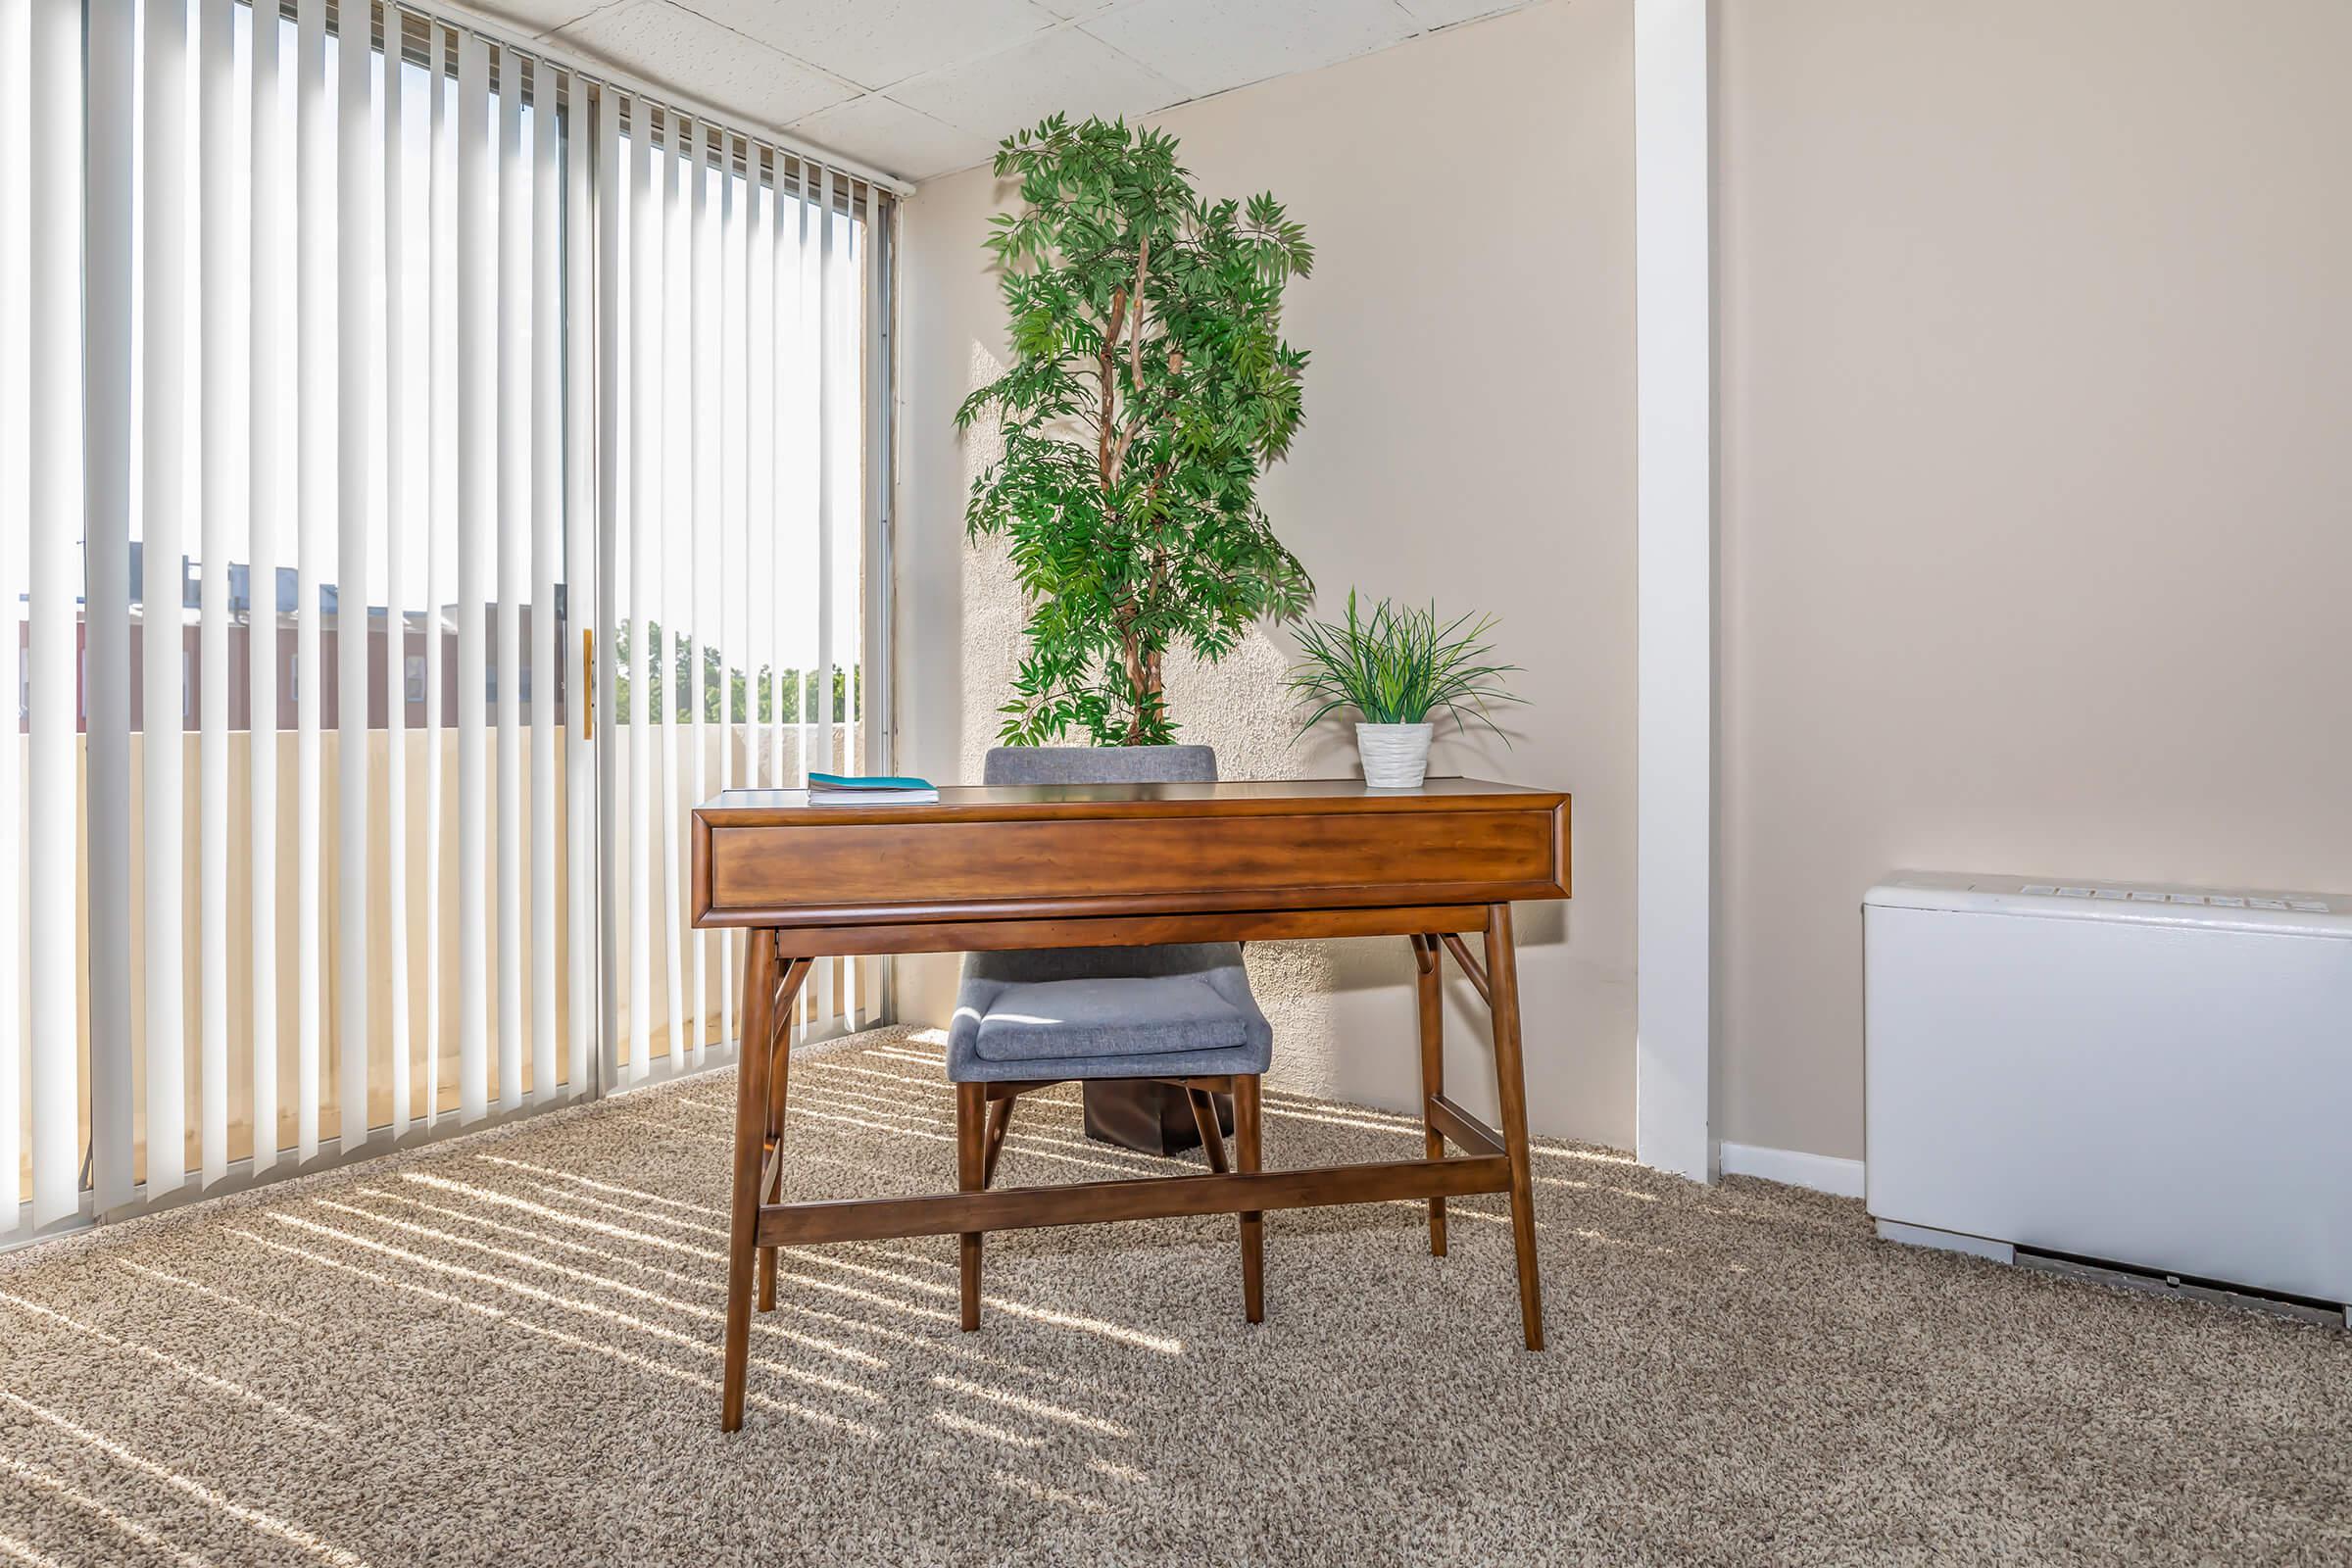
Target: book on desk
{"type": "Point", "coordinates": [868, 789]}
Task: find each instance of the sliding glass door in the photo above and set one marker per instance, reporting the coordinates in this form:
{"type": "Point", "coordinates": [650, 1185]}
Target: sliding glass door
{"type": "Point", "coordinates": [424, 473]}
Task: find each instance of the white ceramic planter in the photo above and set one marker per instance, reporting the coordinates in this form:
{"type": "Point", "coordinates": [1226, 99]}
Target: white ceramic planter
{"type": "Point", "coordinates": [1395, 756]}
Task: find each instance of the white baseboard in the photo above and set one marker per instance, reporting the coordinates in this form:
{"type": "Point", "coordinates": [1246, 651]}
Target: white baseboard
{"type": "Point", "coordinates": [1821, 1172]}
{"type": "Point", "coordinates": [1946, 1241]}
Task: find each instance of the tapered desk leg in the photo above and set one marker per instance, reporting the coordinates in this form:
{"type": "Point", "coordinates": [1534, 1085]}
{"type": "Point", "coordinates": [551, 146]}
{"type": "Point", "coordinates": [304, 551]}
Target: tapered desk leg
{"type": "Point", "coordinates": [971, 1174]}
{"type": "Point", "coordinates": [1503, 975]}
{"type": "Point", "coordinates": [761, 1075]}
{"type": "Point", "coordinates": [752, 1113]}
{"type": "Point", "coordinates": [1428, 985]}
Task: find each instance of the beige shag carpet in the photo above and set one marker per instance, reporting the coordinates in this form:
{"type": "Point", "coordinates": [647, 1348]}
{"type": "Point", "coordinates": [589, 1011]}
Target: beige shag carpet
{"type": "Point", "coordinates": [505, 1351]}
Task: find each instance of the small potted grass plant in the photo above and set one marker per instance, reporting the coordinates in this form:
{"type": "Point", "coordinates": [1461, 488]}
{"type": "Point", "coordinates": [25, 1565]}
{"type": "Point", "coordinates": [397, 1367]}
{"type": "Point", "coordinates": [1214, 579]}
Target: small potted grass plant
{"type": "Point", "coordinates": [1397, 666]}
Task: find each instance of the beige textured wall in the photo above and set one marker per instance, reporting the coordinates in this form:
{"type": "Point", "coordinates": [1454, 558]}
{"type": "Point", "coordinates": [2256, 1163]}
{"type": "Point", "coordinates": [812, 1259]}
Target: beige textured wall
{"type": "Point", "coordinates": [1469, 435]}
{"type": "Point", "coordinates": [2035, 382]}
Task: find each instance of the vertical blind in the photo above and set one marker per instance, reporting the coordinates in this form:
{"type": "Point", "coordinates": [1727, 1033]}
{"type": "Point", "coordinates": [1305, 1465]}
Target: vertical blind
{"type": "Point", "coordinates": [329, 376]}
{"type": "Point", "coordinates": [736, 284]}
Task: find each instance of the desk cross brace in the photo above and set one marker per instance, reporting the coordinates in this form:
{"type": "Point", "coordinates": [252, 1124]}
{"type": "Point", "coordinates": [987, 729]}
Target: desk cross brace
{"type": "Point", "coordinates": [1491, 1161]}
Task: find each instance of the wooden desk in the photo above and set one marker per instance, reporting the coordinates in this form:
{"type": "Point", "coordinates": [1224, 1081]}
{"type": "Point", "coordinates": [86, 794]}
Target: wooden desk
{"type": "Point", "coordinates": [1121, 865]}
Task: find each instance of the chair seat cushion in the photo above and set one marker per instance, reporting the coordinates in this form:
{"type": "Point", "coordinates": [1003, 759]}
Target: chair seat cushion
{"type": "Point", "coordinates": [1126, 1016]}
{"type": "Point", "coordinates": [1178, 1010]}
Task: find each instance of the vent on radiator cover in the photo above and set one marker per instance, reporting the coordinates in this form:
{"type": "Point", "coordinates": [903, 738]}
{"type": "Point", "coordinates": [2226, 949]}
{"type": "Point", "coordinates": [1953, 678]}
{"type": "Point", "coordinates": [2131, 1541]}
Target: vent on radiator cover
{"type": "Point", "coordinates": [2218, 901]}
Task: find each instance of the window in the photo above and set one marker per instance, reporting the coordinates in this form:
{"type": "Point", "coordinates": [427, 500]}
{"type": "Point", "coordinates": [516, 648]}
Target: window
{"type": "Point", "coordinates": [385, 363]}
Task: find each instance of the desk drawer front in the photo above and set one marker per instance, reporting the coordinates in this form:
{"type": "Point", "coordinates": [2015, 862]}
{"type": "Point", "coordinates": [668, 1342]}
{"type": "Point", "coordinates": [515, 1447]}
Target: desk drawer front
{"type": "Point", "coordinates": [1328, 859]}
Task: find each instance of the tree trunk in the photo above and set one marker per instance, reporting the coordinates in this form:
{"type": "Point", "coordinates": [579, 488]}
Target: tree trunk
{"type": "Point", "coordinates": [1143, 669]}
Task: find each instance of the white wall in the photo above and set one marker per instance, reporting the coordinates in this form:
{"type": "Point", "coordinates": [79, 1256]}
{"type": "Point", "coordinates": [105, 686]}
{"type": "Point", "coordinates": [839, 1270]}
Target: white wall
{"type": "Point", "coordinates": [1469, 436]}
{"type": "Point", "coordinates": [2036, 495]}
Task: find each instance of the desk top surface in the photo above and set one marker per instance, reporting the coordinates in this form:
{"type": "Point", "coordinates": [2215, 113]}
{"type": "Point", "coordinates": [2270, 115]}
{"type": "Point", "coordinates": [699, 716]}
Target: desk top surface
{"type": "Point", "coordinates": [749, 807]}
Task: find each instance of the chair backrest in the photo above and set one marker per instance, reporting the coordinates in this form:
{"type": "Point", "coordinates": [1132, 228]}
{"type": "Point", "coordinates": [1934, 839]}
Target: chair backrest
{"type": "Point", "coordinates": [1100, 765]}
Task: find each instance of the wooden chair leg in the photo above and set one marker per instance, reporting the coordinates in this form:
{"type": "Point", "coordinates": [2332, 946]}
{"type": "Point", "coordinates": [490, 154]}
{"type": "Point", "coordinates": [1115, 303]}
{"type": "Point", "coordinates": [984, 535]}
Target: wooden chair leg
{"type": "Point", "coordinates": [1502, 974]}
{"type": "Point", "coordinates": [1213, 1137]}
{"type": "Point", "coordinates": [971, 1138]}
{"type": "Point", "coordinates": [1427, 984]}
{"type": "Point", "coordinates": [1000, 1117]}
{"type": "Point", "coordinates": [1247, 1155]}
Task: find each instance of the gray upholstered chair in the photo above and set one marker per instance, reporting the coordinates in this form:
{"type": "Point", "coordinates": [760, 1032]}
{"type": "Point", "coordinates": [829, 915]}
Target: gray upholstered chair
{"type": "Point", "coordinates": [1178, 1015]}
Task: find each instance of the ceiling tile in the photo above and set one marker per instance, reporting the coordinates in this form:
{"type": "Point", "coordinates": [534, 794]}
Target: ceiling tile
{"type": "Point", "coordinates": [895, 139]}
{"type": "Point", "coordinates": [694, 56]}
{"type": "Point", "coordinates": [878, 43]}
{"type": "Point", "coordinates": [1064, 71]}
{"type": "Point", "coordinates": [1210, 45]}
{"type": "Point", "coordinates": [538, 16]}
{"type": "Point", "coordinates": [1445, 13]}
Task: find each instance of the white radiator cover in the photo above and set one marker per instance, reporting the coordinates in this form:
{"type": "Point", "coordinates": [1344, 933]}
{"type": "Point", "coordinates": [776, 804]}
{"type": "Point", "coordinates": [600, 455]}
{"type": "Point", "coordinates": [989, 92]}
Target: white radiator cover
{"type": "Point", "coordinates": [2153, 1076]}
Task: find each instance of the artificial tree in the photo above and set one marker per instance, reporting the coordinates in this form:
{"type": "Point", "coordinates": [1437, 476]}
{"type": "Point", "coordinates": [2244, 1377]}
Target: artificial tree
{"type": "Point", "coordinates": [1150, 387]}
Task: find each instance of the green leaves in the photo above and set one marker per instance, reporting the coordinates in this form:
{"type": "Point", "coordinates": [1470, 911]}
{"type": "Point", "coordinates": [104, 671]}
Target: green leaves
{"type": "Point", "coordinates": [1397, 666]}
{"type": "Point", "coordinates": [1151, 386]}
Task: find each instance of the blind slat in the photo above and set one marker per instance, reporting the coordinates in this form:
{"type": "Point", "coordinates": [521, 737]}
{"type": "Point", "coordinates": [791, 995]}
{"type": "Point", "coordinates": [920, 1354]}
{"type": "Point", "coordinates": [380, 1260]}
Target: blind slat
{"type": "Point", "coordinates": [164, 369]}
{"type": "Point", "coordinates": [400, 522]}
{"type": "Point", "coordinates": [610, 183]}
{"type": "Point", "coordinates": [357, 211]}
{"type": "Point", "coordinates": [215, 148]}
{"type": "Point", "coordinates": [476, 409]}
{"type": "Point", "coordinates": [314, 489]}
{"type": "Point", "coordinates": [676, 519]}
{"type": "Point", "coordinates": [582, 260]}
{"type": "Point", "coordinates": [547, 507]}
{"type": "Point", "coordinates": [735, 575]}
{"type": "Point", "coordinates": [702, 432]}
{"type": "Point", "coordinates": [107, 388]}
{"type": "Point", "coordinates": [876, 567]}
{"type": "Point", "coordinates": [54, 515]}
{"type": "Point", "coordinates": [764, 457]}
{"type": "Point", "coordinates": [645, 473]}
{"type": "Point", "coordinates": [797, 417]}
{"type": "Point", "coordinates": [510, 523]}
{"type": "Point", "coordinates": [264, 459]}
{"type": "Point", "coordinates": [441, 526]}
{"type": "Point", "coordinates": [643, 529]}
{"type": "Point", "coordinates": [15, 500]}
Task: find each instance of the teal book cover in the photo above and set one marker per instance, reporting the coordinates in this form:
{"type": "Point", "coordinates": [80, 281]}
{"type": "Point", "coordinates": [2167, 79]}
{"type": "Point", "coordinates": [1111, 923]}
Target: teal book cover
{"type": "Point", "coordinates": [865, 781]}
